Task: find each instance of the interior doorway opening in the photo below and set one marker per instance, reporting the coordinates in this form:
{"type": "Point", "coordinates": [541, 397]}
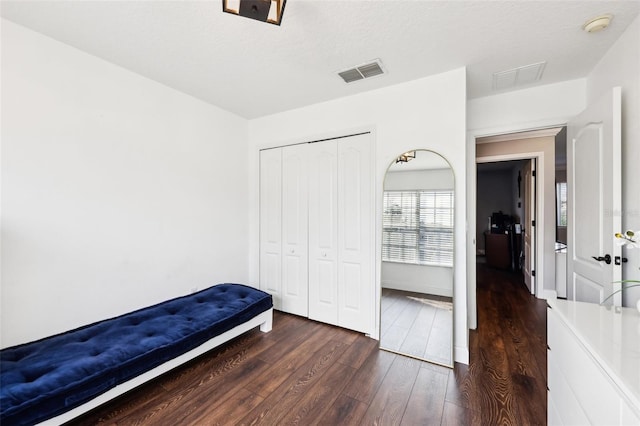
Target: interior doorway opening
{"type": "Point", "coordinates": [505, 217]}
{"type": "Point", "coordinates": [540, 145]}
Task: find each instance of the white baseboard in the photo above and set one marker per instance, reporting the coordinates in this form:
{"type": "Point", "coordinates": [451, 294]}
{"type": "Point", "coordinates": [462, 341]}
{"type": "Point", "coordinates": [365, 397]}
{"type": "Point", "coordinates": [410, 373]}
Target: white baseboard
{"type": "Point", "coordinates": [461, 354]}
{"type": "Point", "coordinates": [426, 289]}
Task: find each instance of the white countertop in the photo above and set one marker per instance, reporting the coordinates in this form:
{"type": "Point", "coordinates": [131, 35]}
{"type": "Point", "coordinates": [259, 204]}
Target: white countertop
{"type": "Point", "coordinates": [612, 335]}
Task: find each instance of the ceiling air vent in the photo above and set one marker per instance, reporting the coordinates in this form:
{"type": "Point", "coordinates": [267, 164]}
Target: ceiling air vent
{"type": "Point", "coordinates": [518, 76]}
{"type": "Point", "coordinates": [370, 69]}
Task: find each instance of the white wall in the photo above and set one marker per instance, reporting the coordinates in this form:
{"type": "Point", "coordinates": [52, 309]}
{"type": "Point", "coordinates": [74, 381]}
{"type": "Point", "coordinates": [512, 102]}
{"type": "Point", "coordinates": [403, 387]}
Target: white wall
{"type": "Point", "coordinates": [427, 113]}
{"type": "Point", "coordinates": [437, 280]}
{"type": "Point", "coordinates": [621, 67]}
{"type": "Point", "coordinates": [542, 106]}
{"type": "Point", "coordinates": [419, 179]}
{"type": "Point", "coordinates": [117, 192]}
{"type": "Point", "coordinates": [526, 109]}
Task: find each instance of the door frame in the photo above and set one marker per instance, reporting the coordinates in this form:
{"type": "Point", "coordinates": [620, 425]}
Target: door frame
{"type": "Point", "coordinates": [506, 133]}
{"type": "Point", "coordinates": [539, 207]}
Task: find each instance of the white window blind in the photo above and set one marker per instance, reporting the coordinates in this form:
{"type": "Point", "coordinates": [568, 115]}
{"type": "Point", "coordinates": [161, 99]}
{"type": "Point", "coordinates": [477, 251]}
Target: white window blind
{"type": "Point", "coordinates": [418, 227]}
{"type": "Point", "coordinates": [561, 204]}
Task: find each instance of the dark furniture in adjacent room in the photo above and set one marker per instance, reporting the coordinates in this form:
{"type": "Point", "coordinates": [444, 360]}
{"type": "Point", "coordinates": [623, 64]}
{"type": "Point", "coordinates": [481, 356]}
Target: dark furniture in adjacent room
{"type": "Point", "coordinates": [497, 250]}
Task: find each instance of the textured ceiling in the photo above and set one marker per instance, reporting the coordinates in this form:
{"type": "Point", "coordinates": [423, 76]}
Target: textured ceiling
{"type": "Point", "coordinates": [255, 69]}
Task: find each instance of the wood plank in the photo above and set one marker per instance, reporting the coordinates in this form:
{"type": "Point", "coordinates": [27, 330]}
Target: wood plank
{"type": "Point", "coordinates": [204, 392]}
{"type": "Point", "coordinates": [320, 396]}
{"type": "Point", "coordinates": [344, 411]}
{"type": "Point", "coordinates": [454, 415]}
{"type": "Point", "coordinates": [389, 403]}
{"type": "Point", "coordinates": [439, 345]}
{"type": "Point", "coordinates": [292, 355]}
{"type": "Point", "coordinates": [369, 377]}
{"type": "Point", "coordinates": [426, 403]}
{"type": "Point", "coordinates": [418, 325]}
{"type": "Point", "coordinates": [359, 351]}
{"type": "Point", "coordinates": [280, 402]}
{"type": "Point", "coordinates": [229, 413]}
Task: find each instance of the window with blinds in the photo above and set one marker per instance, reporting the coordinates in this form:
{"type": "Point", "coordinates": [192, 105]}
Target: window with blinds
{"type": "Point", "coordinates": [561, 204]}
{"type": "Point", "coordinates": [418, 227]}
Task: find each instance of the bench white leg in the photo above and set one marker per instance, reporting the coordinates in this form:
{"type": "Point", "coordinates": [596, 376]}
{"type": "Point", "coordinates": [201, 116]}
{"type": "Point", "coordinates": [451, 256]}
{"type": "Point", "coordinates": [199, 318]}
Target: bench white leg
{"type": "Point", "coordinates": [265, 327]}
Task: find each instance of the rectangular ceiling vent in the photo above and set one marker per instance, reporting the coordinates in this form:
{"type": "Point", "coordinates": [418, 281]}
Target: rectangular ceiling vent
{"type": "Point", "coordinates": [368, 70]}
{"type": "Point", "coordinates": [518, 76]}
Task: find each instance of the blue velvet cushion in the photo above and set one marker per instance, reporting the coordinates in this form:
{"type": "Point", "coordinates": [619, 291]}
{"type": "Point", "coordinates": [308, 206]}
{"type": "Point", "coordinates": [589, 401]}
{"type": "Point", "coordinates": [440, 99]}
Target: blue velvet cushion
{"type": "Point", "coordinates": [45, 378]}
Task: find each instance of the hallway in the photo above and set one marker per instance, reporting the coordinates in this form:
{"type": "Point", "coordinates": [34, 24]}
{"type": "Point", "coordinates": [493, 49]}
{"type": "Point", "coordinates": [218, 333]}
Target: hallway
{"type": "Point", "coordinates": [505, 382]}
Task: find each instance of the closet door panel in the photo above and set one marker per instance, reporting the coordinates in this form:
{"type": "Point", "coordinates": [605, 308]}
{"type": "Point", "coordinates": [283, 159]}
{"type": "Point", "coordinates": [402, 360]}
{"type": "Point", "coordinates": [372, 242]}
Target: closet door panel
{"type": "Point", "coordinates": [355, 230]}
{"type": "Point", "coordinates": [323, 250]}
{"type": "Point", "coordinates": [295, 281]}
{"type": "Point", "coordinates": [270, 224]}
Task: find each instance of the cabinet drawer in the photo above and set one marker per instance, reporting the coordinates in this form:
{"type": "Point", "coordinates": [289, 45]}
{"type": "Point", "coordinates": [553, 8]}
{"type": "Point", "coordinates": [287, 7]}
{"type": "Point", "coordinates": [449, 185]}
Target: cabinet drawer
{"type": "Point", "coordinates": [553, 416]}
{"type": "Point", "coordinates": [561, 396]}
{"type": "Point", "coordinates": [627, 415]}
{"type": "Point", "coordinates": [596, 394]}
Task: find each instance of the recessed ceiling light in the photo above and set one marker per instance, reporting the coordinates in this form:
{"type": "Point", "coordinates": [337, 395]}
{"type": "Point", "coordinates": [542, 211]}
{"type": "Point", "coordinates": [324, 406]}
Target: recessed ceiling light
{"type": "Point", "coordinates": [598, 23]}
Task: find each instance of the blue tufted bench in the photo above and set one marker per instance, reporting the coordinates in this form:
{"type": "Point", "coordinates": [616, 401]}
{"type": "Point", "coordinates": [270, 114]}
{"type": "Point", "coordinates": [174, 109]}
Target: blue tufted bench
{"type": "Point", "coordinates": [57, 378]}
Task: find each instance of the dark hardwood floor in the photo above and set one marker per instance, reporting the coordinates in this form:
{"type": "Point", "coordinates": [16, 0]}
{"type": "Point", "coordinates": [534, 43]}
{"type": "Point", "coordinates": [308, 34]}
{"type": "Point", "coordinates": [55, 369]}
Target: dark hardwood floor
{"type": "Point", "coordinates": [309, 373]}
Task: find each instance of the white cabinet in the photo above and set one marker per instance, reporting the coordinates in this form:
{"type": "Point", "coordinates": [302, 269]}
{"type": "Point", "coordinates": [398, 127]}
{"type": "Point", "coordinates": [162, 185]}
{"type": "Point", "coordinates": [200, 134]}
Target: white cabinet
{"type": "Point", "coordinates": [593, 364]}
{"type": "Point", "coordinates": [326, 222]}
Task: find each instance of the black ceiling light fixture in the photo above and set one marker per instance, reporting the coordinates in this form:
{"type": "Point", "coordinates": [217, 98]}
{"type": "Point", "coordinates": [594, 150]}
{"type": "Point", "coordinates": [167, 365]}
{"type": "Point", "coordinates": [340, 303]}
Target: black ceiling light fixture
{"type": "Point", "coordinates": [269, 11]}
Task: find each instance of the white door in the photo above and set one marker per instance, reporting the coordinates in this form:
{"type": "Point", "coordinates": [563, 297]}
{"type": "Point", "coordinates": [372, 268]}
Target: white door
{"type": "Point", "coordinates": [594, 200]}
{"type": "Point", "coordinates": [294, 230]}
{"type": "Point", "coordinates": [528, 226]}
{"type": "Point", "coordinates": [270, 224]}
{"type": "Point", "coordinates": [355, 230]}
{"type": "Point", "coordinates": [323, 232]}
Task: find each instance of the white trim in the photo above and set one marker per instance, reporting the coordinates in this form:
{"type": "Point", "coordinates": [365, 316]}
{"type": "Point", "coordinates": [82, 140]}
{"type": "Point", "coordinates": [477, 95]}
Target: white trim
{"type": "Point", "coordinates": [540, 222]}
{"type": "Point", "coordinates": [264, 320]}
{"type": "Point", "coordinates": [436, 291]}
{"type": "Point", "coordinates": [315, 137]}
{"type": "Point", "coordinates": [472, 136]}
{"type": "Point", "coordinates": [461, 354]}
{"type": "Point", "coordinates": [529, 134]}
{"type": "Point", "coordinates": [532, 126]}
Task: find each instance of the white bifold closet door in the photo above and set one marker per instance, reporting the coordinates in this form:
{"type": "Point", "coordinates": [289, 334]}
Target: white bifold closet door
{"type": "Point", "coordinates": [271, 224]}
{"type": "Point", "coordinates": [323, 232]}
{"type": "Point", "coordinates": [295, 277]}
{"type": "Point", "coordinates": [284, 228]}
{"type": "Point", "coordinates": [355, 234]}
{"type": "Point", "coordinates": [316, 230]}
{"type": "Point", "coordinates": [340, 233]}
